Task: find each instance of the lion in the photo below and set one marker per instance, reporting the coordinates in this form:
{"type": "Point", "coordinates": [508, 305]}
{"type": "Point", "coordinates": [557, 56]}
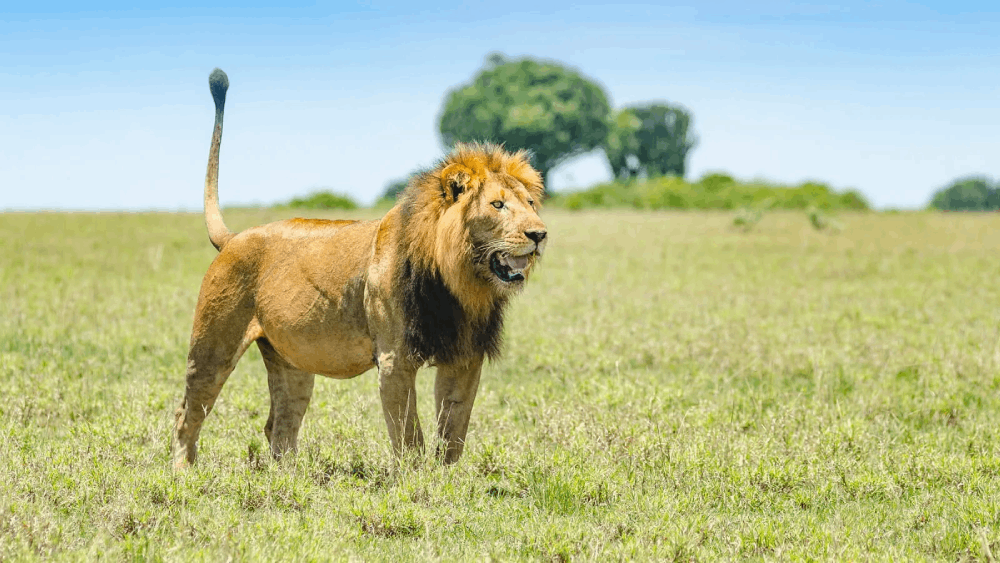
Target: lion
{"type": "Point", "coordinates": [425, 285]}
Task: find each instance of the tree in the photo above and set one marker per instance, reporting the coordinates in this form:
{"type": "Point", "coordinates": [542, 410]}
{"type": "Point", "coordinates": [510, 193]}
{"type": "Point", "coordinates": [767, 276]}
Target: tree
{"type": "Point", "coordinates": [542, 106]}
{"type": "Point", "coordinates": [973, 193]}
{"type": "Point", "coordinates": [622, 145]}
{"type": "Point", "coordinates": [651, 139]}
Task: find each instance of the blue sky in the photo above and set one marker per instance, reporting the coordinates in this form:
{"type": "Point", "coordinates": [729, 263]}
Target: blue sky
{"type": "Point", "coordinates": [108, 107]}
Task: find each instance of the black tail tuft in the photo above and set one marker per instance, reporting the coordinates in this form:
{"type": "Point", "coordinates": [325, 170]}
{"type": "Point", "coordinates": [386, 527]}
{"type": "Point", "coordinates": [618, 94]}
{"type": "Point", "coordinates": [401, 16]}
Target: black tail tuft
{"type": "Point", "coordinates": [218, 83]}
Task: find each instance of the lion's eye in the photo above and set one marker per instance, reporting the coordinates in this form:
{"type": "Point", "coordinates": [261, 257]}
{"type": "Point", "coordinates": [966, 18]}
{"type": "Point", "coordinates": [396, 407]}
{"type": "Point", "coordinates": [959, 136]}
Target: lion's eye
{"type": "Point", "coordinates": [531, 202]}
{"type": "Point", "coordinates": [498, 204]}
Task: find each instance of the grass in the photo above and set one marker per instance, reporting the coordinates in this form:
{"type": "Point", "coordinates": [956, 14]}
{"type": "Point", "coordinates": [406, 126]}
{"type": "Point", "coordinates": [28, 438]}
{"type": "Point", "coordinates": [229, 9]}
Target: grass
{"type": "Point", "coordinates": [674, 389]}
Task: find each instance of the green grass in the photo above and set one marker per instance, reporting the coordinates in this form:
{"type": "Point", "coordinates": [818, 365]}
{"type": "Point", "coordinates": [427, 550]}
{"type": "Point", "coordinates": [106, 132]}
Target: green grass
{"type": "Point", "coordinates": [674, 388]}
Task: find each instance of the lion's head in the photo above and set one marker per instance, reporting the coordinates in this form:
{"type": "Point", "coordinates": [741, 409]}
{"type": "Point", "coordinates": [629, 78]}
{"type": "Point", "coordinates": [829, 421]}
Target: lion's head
{"type": "Point", "coordinates": [472, 222]}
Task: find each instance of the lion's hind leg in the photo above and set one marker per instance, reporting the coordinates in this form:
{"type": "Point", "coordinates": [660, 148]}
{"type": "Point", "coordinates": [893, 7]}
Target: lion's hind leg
{"type": "Point", "coordinates": [291, 390]}
{"type": "Point", "coordinates": [220, 337]}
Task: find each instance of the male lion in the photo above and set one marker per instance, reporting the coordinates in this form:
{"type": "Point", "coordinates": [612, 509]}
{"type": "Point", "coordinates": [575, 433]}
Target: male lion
{"type": "Point", "coordinates": [427, 283]}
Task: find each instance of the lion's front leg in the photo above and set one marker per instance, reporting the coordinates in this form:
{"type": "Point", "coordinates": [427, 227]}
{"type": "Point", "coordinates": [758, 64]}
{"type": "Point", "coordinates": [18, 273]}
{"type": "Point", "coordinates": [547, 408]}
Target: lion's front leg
{"type": "Point", "coordinates": [454, 393]}
{"type": "Point", "coordinates": [397, 387]}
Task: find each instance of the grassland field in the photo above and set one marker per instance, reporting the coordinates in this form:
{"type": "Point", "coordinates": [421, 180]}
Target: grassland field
{"type": "Point", "coordinates": [673, 388]}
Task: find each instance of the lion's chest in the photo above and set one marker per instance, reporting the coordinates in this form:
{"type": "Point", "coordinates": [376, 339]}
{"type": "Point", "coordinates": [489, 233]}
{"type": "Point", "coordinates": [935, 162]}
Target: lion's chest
{"type": "Point", "coordinates": [437, 328]}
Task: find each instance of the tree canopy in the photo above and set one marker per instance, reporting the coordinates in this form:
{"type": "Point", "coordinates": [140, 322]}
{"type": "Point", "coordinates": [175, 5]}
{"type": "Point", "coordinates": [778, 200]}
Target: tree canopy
{"type": "Point", "coordinates": [649, 139]}
{"type": "Point", "coordinates": [549, 109]}
{"type": "Point", "coordinates": [974, 193]}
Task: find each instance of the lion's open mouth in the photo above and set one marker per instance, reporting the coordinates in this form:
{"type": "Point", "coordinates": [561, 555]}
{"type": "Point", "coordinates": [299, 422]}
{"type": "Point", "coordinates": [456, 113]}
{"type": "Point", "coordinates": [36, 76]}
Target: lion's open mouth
{"type": "Point", "coordinates": [508, 268]}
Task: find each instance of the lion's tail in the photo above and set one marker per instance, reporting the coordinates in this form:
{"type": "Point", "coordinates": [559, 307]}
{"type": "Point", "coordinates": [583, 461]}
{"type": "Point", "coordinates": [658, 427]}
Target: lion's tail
{"type": "Point", "coordinates": [218, 233]}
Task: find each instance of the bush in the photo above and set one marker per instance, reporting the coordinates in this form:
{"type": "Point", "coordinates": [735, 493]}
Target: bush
{"type": "Point", "coordinates": [713, 191]}
{"type": "Point", "coordinates": [973, 193]}
{"type": "Point", "coordinates": [323, 200]}
{"type": "Point", "coordinates": [714, 181]}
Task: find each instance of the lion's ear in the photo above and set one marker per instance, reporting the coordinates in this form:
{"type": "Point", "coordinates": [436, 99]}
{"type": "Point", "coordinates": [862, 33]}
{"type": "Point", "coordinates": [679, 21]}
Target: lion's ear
{"type": "Point", "coordinates": [454, 180]}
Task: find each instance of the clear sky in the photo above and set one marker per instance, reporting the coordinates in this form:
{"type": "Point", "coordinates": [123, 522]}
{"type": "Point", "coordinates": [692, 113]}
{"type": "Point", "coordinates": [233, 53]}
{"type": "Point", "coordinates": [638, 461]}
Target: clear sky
{"type": "Point", "coordinates": [107, 107]}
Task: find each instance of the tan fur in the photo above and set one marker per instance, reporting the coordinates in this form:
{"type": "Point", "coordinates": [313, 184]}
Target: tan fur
{"type": "Point", "coordinates": [324, 297]}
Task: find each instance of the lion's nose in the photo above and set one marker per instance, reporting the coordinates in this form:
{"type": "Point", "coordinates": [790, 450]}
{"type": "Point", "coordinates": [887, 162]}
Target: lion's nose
{"type": "Point", "coordinates": [537, 236]}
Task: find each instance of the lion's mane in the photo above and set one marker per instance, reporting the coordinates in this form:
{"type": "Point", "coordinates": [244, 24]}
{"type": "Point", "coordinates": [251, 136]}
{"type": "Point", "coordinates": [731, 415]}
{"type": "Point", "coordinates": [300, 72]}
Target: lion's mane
{"type": "Point", "coordinates": [451, 312]}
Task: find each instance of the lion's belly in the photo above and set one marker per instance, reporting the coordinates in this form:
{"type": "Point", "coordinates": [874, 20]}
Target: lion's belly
{"type": "Point", "coordinates": [317, 325]}
{"type": "Point", "coordinates": [341, 354]}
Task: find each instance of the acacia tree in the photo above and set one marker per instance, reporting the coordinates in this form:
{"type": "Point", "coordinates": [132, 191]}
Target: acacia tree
{"type": "Point", "coordinates": [544, 107]}
{"type": "Point", "coordinates": [651, 139]}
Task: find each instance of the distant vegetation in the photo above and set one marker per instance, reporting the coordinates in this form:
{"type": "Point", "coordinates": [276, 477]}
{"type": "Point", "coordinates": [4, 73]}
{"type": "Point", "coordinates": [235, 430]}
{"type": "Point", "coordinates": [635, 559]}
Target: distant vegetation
{"type": "Point", "coordinates": [394, 188]}
{"type": "Point", "coordinates": [649, 140]}
{"type": "Point", "coordinates": [713, 191]}
{"type": "Point", "coordinates": [556, 113]}
{"type": "Point", "coordinates": [323, 200]}
{"type": "Point", "coordinates": [542, 106]}
{"type": "Point", "coordinates": [391, 192]}
{"type": "Point", "coordinates": [973, 193]}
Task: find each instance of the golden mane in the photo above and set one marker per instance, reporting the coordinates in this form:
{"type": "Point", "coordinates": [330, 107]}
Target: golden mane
{"type": "Point", "coordinates": [435, 239]}
{"type": "Point", "coordinates": [427, 196]}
